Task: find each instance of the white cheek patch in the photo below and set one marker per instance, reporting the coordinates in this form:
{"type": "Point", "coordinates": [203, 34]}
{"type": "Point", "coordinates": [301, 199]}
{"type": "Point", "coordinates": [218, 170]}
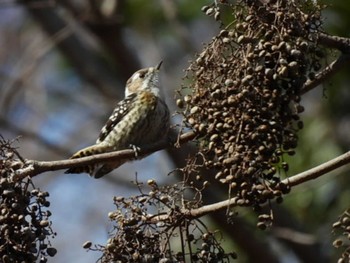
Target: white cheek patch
{"type": "Point", "coordinates": [135, 76]}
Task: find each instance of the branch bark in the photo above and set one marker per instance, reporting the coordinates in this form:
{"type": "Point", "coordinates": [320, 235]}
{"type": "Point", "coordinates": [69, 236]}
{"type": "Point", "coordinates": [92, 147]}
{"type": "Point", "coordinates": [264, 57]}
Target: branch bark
{"type": "Point", "coordinates": [327, 72]}
{"type": "Point", "coordinates": [318, 171]}
{"type": "Point", "coordinates": [36, 167]}
{"type": "Point", "coordinates": [33, 167]}
{"type": "Point", "coordinates": [295, 180]}
{"type": "Point", "coordinates": [336, 42]}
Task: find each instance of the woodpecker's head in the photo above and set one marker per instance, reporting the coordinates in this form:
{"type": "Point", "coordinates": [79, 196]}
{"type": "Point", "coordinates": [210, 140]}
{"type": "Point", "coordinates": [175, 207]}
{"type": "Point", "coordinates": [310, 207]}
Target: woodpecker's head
{"type": "Point", "coordinates": [144, 79]}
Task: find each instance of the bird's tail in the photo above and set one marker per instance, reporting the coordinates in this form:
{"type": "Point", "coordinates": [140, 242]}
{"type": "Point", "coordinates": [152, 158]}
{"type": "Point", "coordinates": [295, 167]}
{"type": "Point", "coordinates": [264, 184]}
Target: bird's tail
{"type": "Point", "coordinates": [88, 151]}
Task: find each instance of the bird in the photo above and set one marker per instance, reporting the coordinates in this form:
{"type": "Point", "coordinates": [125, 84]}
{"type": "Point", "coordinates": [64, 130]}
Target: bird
{"type": "Point", "coordinates": [142, 118]}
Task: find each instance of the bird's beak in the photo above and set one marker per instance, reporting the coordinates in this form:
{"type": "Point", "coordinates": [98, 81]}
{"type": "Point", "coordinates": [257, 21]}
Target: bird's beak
{"type": "Point", "coordinates": [159, 64]}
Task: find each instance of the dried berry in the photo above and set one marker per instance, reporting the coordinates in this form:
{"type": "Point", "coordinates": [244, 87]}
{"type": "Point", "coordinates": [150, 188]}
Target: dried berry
{"type": "Point", "coordinates": [25, 227]}
{"type": "Point", "coordinates": [246, 89]}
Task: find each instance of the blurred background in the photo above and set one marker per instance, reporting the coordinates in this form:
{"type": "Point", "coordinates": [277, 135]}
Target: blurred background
{"type": "Point", "coordinates": [63, 66]}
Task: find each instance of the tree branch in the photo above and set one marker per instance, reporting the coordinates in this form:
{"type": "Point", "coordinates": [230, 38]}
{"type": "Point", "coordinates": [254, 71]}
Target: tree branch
{"type": "Point", "coordinates": [335, 42]}
{"type": "Point", "coordinates": [33, 167]}
{"type": "Point", "coordinates": [327, 72]}
{"type": "Point", "coordinates": [340, 43]}
{"type": "Point", "coordinates": [291, 181]}
{"type": "Point", "coordinates": [318, 171]}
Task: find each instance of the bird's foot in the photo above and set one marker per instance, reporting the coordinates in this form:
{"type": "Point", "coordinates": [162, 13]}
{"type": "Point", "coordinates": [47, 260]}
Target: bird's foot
{"type": "Point", "coordinates": [135, 149]}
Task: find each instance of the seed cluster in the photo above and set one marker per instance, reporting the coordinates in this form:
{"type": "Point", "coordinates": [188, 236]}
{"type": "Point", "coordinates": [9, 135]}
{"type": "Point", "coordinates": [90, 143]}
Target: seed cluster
{"type": "Point", "coordinates": [243, 100]}
{"type": "Point", "coordinates": [150, 227]}
{"type": "Point", "coordinates": [24, 219]}
{"type": "Point", "coordinates": [342, 227]}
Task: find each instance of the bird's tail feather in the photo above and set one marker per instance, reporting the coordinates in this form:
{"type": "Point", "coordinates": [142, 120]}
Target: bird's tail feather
{"type": "Point", "coordinates": [88, 151]}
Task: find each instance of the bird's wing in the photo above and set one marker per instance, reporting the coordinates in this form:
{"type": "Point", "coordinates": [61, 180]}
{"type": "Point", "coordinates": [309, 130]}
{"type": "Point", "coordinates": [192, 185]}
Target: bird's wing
{"type": "Point", "coordinates": [122, 108]}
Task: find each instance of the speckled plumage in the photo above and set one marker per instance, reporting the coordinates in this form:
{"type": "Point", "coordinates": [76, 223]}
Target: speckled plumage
{"type": "Point", "coordinates": [141, 119]}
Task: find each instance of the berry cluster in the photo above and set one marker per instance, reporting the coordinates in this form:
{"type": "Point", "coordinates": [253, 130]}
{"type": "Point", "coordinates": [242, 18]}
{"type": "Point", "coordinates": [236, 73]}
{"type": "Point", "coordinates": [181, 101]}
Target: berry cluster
{"type": "Point", "coordinates": [243, 100]}
{"type": "Point", "coordinates": [148, 225]}
{"type": "Point", "coordinates": [25, 228]}
{"type": "Point", "coordinates": [342, 227]}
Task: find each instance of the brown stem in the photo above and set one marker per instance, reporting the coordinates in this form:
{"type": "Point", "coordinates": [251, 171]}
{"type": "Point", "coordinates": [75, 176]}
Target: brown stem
{"type": "Point", "coordinates": [318, 171]}
{"type": "Point", "coordinates": [327, 72]}
{"type": "Point", "coordinates": [291, 181]}
{"type": "Point", "coordinates": [335, 42]}
{"type": "Point", "coordinates": [340, 43]}
{"type": "Point", "coordinates": [33, 167]}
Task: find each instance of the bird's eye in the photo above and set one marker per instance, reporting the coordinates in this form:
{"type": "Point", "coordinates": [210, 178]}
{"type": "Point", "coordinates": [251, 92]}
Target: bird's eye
{"type": "Point", "coordinates": [142, 75]}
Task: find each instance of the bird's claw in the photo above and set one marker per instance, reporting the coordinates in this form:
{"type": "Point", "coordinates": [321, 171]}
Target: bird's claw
{"type": "Point", "coordinates": [136, 150]}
